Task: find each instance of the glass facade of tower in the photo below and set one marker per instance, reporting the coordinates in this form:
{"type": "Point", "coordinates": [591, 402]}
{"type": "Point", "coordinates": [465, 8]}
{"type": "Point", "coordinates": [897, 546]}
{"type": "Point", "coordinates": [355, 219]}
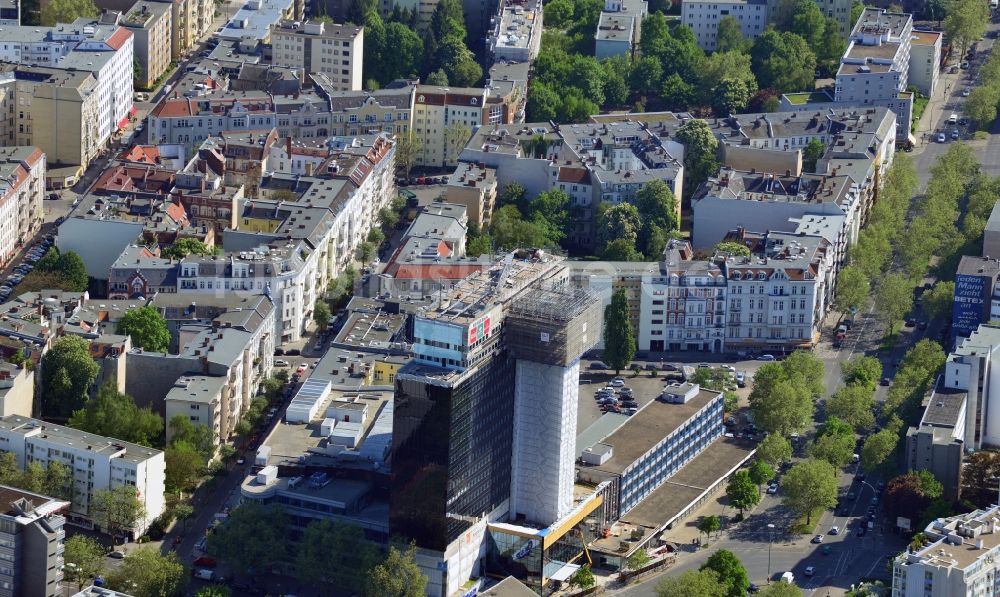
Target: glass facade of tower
{"type": "Point", "coordinates": [451, 450]}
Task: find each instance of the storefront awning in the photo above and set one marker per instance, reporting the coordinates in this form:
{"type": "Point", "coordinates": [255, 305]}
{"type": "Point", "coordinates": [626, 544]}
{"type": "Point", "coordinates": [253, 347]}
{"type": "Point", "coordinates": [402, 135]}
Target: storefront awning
{"type": "Point", "coordinates": [123, 123]}
{"type": "Point", "coordinates": [133, 111]}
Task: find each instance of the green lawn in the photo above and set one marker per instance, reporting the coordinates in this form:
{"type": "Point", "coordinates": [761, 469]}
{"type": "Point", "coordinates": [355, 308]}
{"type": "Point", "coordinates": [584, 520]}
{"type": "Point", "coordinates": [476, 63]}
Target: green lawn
{"type": "Point", "coordinates": [801, 527]}
{"type": "Point", "coordinates": [919, 105]}
{"type": "Point", "coordinates": [799, 99]}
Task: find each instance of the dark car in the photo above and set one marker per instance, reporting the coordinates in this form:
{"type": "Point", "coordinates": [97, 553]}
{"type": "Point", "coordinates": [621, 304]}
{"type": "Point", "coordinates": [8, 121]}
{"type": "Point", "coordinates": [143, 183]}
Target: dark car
{"type": "Point", "coordinates": [293, 352]}
{"type": "Point", "coordinates": [886, 381]}
{"type": "Point", "coordinates": [279, 352]}
{"type": "Point", "coordinates": [54, 196]}
{"type": "Point", "coordinates": [861, 531]}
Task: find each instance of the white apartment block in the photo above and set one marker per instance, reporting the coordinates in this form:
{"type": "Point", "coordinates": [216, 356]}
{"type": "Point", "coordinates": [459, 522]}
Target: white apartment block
{"type": "Point", "coordinates": [703, 18]}
{"type": "Point", "coordinates": [925, 61]}
{"type": "Point", "coordinates": [106, 50]}
{"type": "Point", "coordinates": [753, 16]}
{"type": "Point", "coordinates": [22, 190]}
{"type": "Point", "coordinates": [316, 47]}
{"type": "Point", "coordinates": [517, 33]}
{"type": "Point", "coordinates": [876, 65]}
{"type": "Point", "coordinates": [619, 28]}
{"type": "Point", "coordinates": [963, 558]}
{"type": "Point", "coordinates": [973, 367]}
{"type": "Point", "coordinates": [97, 463]}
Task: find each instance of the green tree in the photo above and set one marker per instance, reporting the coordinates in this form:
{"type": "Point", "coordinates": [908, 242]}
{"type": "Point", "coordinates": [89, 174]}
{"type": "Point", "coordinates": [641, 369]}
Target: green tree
{"type": "Point", "coordinates": [861, 370]}
{"type": "Point", "coordinates": [620, 250]}
{"type": "Point", "coordinates": [396, 576]}
{"type": "Point", "coordinates": [57, 481]}
{"type": "Point", "coordinates": [813, 151]}
{"type": "Point", "coordinates": [637, 560]}
{"type": "Point", "coordinates": [407, 53]}
{"type": "Point", "coordinates": [808, 22]}
{"type": "Point", "coordinates": [781, 589]}
{"type": "Point", "coordinates": [742, 491]}
{"type": "Point", "coordinates": [729, 35]}
{"type": "Point", "coordinates": [67, 11]}
{"type": "Point", "coordinates": [893, 298]}
{"type": "Point", "coordinates": [853, 403]}
{"type": "Point", "coordinates": [965, 22]}
{"type": "Point", "coordinates": [67, 374]}
{"type": "Point", "coordinates": [117, 511]}
{"type": "Point", "coordinates": [408, 147]}
{"type": "Point", "coordinates": [456, 135]}
{"type": "Point", "coordinates": [10, 474]}
{"type": "Point", "coordinates": [183, 247]}
{"type": "Point", "coordinates": [731, 248]}
{"type": "Point", "coordinates": [981, 105]}
{"type": "Point", "coordinates": [732, 575]}
{"type": "Point", "coordinates": [760, 472]}
{"type": "Point", "coordinates": [731, 96]}
{"type": "Point", "coordinates": [321, 314]}
{"type": "Point", "coordinates": [144, 572]}
{"type": "Point", "coordinates": [147, 329]}
{"type": "Point", "coordinates": [774, 449]}
{"type": "Point", "coordinates": [544, 102]}
{"type": "Point", "coordinates": [709, 524]}
{"type": "Point", "coordinates": [783, 60]}
{"type": "Point", "coordinates": [551, 210]}
{"type": "Point", "coordinates": [937, 302]}
{"type": "Point", "coordinates": [216, 590]}
{"type": "Point", "coordinates": [184, 466]}
{"type": "Point", "coordinates": [335, 552]}
{"type": "Point", "coordinates": [583, 578]}
{"type": "Point", "coordinates": [704, 583]}
{"type": "Point", "coordinates": [253, 537]}
{"type": "Point", "coordinates": [621, 221]}
{"type": "Point", "coordinates": [788, 408]}
{"type": "Point", "coordinates": [438, 78]}
{"type": "Point", "coordinates": [509, 230]}
{"type": "Point", "coordinates": [877, 451]}
{"type": "Point", "coordinates": [200, 437]}
{"type": "Point", "coordinates": [183, 511]}
{"type": "Point", "coordinates": [514, 193]}
{"type": "Point", "coordinates": [84, 558]}
{"type": "Point", "coordinates": [619, 339]}
{"type": "Point", "coordinates": [700, 153]}
{"type": "Point", "coordinates": [114, 414]}
{"type": "Point", "coordinates": [835, 448]}
{"type": "Point", "coordinates": [657, 205]}
{"type": "Point", "coordinates": [810, 485]}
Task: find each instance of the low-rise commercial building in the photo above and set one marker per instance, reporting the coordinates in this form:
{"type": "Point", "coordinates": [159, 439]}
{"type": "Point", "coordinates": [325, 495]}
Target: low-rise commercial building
{"type": "Point", "coordinates": [96, 463]}
{"type": "Point", "coordinates": [317, 47]}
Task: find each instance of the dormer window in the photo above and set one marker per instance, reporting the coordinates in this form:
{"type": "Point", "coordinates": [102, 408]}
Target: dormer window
{"type": "Point", "coordinates": [475, 101]}
{"type": "Point", "coordinates": [736, 275]}
{"type": "Point", "coordinates": [420, 99]}
{"type": "Point", "coordinates": [761, 276]}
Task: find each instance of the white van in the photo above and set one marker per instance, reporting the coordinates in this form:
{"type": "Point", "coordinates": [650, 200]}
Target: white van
{"type": "Point", "coordinates": [788, 577]}
{"type": "Point", "coordinates": [953, 119]}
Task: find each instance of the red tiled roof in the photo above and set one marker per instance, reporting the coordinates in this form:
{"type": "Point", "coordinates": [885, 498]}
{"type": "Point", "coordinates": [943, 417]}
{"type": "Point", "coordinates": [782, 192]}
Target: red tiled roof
{"type": "Point", "coordinates": [144, 154]}
{"type": "Point", "coordinates": [172, 108]}
{"type": "Point", "coordinates": [450, 271]}
{"type": "Point", "coordinates": [119, 37]}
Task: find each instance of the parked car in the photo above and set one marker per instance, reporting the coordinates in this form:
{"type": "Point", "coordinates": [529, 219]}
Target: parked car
{"type": "Point", "coordinates": [772, 488]}
{"type": "Point", "coordinates": [966, 92]}
{"type": "Point", "coordinates": [886, 381]}
{"type": "Point", "coordinates": [817, 539]}
{"type": "Point", "coordinates": [810, 570]}
{"type": "Point", "coordinates": [598, 366]}
{"type": "Point", "coordinates": [741, 379]}
{"type": "Point", "coordinates": [117, 554]}
{"type": "Point", "coordinates": [294, 352]}
{"type": "Point", "coordinates": [618, 382]}
{"type": "Point", "coordinates": [834, 530]}
{"type": "Point", "coordinates": [280, 363]}
{"type": "Point", "coordinates": [766, 357]}
{"type": "Point", "coordinates": [941, 138]}
{"type": "Point", "coordinates": [964, 65]}
{"type": "Point", "coordinates": [955, 134]}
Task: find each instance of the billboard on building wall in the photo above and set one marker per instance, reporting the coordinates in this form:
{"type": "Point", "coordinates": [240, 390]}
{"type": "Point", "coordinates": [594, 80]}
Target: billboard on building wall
{"type": "Point", "coordinates": [971, 303]}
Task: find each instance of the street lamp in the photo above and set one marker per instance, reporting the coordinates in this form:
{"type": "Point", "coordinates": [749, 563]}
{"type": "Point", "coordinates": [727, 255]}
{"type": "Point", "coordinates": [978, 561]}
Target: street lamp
{"type": "Point", "coordinates": [770, 539]}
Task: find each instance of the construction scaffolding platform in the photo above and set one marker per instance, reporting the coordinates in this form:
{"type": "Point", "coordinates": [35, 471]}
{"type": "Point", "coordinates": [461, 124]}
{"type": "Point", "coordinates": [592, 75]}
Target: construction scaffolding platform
{"type": "Point", "coordinates": [553, 324]}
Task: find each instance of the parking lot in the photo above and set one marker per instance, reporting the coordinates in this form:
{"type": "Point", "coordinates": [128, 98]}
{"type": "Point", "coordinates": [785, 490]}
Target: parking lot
{"type": "Point", "coordinates": [23, 265]}
{"type": "Point", "coordinates": [644, 387]}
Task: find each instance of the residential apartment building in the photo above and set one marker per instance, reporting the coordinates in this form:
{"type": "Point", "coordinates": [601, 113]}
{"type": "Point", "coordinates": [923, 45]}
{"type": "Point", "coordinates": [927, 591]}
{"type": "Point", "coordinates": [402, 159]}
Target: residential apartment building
{"type": "Point", "coordinates": [876, 64]}
{"type": "Point", "coordinates": [781, 292]}
{"type": "Point", "coordinates": [619, 28]}
{"type": "Point", "coordinates": [936, 443]}
{"type": "Point", "coordinates": [100, 47]}
{"type": "Point", "coordinates": [517, 31]}
{"type": "Point", "coordinates": [475, 187]}
{"type": "Point", "coordinates": [96, 462]}
{"type": "Point", "coordinates": [188, 120]}
{"type": "Point", "coordinates": [22, 190]}
{"type": "Point", "coordinates": [592, 162]}
{"type": "Point", "coordinates": [765, 201]}
{"type": "Point", "coordinates": [682, 306]}
{"type": "Point", "coordinates": [925, 61]}
{"type": "Point", "coordinates": [961, 558]}
{"type": "Point", "coordinates": [55, 110]}
{"type": "Point", "coordinates": [971, 368]}
{"type": "Point", "coordinates": [152, 28]}
{"type": "Point", "coordinates": [444, 118]}
{"type": "Point", "coordinates": [753, 16]}
{"type": "Point", "coordinates": [31, 531]}
{"type": "Point", "coordinates": [317, 47]}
